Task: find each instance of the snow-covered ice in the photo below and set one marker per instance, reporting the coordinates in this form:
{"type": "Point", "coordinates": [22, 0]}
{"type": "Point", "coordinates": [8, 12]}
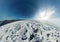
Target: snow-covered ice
{"type": "Point", "coordinates": [28, 31]}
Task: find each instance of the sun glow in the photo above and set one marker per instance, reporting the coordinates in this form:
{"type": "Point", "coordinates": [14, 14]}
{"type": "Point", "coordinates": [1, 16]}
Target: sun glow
{"type": "Point", "coordinates": [45, 14]}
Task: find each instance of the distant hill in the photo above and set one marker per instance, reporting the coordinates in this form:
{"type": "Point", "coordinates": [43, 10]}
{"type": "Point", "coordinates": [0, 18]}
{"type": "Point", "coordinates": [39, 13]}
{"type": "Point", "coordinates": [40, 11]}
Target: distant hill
{"type": "Point", "coordinates": [8, 21]}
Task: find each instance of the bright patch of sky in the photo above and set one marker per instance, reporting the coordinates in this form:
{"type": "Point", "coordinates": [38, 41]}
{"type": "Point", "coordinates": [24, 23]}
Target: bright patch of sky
{"type": "Point", "coordinates": [49, 11]}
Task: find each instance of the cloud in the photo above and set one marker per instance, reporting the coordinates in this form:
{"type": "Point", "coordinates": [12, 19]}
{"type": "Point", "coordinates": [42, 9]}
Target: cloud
{"type": "Point", "coordinates": [45, 13]}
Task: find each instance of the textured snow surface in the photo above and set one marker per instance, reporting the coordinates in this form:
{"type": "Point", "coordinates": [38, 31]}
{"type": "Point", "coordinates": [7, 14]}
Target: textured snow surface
{"type": "Point", "coordinates": [28, 31]}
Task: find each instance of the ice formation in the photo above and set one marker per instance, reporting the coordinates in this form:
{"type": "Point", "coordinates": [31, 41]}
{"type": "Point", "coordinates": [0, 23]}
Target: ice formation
{"type": "Point", "coordinates": [28, 31]}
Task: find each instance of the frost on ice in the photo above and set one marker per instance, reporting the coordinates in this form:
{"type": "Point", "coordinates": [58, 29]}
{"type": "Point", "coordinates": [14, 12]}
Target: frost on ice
{"type": "Point", "coordinates": [28, 31]}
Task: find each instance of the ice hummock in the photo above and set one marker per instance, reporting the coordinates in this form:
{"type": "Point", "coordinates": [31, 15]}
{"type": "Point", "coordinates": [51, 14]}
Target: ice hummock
{"type": "Point", "coordinates": [28, 31]}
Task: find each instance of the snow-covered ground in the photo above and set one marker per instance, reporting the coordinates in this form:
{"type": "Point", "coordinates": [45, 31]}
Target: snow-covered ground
{"type": "Point", "coordinates": [28, 31]}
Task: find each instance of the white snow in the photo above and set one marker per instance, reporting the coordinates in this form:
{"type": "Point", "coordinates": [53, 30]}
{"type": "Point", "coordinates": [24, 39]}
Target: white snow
{"type": "Point", "coordinates": [28, 31]}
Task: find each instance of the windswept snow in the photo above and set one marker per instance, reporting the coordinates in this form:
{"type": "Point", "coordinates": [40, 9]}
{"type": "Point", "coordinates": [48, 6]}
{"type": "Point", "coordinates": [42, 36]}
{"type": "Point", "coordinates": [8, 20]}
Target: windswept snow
{"type": "Point", "coordinates": [28, 31]}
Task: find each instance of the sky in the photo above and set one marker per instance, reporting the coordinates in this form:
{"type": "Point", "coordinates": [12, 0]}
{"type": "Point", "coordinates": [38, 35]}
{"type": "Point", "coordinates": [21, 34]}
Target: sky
{"type": "Point", "coordinates": [48, 10]}
{"type": "Point", "coordinates": [13, 9]}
